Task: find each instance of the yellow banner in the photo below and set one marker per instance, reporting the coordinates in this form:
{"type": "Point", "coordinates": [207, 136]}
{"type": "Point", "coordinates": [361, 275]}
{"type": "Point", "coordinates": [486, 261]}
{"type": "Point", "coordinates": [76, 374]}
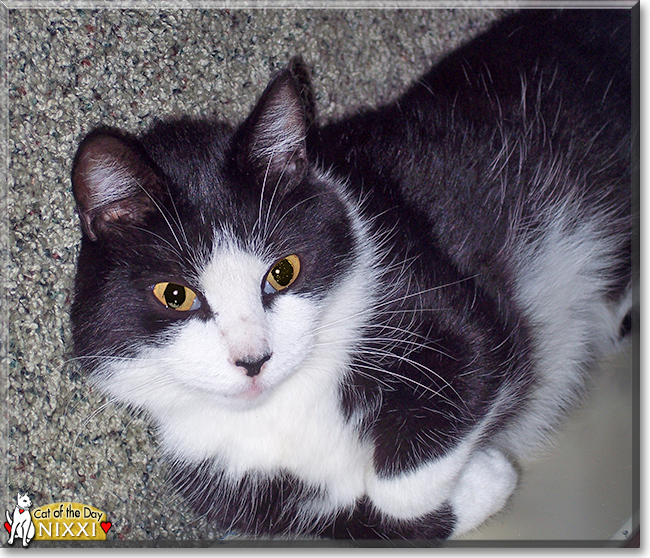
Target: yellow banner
{"type": "Point", "coordinates": [69, 521]}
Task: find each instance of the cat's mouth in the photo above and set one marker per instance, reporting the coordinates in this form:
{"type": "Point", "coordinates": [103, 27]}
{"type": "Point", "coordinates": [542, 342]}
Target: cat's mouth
{"type": "Point", "coordinates": [252, 392]}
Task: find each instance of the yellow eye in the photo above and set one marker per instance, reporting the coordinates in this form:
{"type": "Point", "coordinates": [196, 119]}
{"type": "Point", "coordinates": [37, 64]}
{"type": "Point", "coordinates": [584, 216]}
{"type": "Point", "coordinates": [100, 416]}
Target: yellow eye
{"type": "Point", "coordinates": [176, 297]}
{"type": "Point", "coordinates": [282, 274]}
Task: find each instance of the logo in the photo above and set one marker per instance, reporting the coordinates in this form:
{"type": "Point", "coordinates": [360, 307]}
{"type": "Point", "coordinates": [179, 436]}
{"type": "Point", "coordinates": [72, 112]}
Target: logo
{"type": "Point", "coordinates": [20, 524]}
{"type": "Point", "coordinates": [62, 521]}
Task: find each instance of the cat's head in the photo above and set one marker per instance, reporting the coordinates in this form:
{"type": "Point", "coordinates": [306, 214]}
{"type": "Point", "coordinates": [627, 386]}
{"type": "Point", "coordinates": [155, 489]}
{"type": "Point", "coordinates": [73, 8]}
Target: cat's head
{"type": "Point", "coordinates": [211, 258]}
{"type": "Point", "coordinates": [24, 501]}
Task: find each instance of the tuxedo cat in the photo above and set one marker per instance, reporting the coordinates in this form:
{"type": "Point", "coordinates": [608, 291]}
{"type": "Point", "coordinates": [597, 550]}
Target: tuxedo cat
{"type": "Point", "coordinates": [352, 330]}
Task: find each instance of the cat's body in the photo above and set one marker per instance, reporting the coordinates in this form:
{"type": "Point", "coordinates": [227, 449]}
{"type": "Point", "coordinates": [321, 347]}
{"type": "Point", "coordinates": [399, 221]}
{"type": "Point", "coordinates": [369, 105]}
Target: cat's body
{"type": "Point", "coordinates": [448, 267]}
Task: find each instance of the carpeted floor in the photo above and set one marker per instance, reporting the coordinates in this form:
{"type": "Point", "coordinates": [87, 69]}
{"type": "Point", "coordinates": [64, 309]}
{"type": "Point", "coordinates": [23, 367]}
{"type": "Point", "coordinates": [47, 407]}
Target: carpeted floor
{"type": "Point", "coordinates": [71, 70]}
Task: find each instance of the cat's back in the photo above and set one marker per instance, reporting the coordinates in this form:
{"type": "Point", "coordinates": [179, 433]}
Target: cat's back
{"type": "Point", "coordinates": [512, 157]}
{"type": "Point", "coordinates": [532, 113]}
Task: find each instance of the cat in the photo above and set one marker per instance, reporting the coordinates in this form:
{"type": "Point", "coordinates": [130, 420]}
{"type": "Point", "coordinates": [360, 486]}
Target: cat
{"type": "Point", "coordinates": [20, 521]}
{"type": "Point", "coordinates": [355, 329]}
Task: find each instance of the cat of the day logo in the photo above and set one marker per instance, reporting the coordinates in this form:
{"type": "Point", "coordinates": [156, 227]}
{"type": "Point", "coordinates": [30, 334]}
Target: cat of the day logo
{"type": "Point", "coordinates": [62, 521]}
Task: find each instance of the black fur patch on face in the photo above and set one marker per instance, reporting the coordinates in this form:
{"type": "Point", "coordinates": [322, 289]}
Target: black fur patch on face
{"type": "Point", "coordinates": [218, 192]}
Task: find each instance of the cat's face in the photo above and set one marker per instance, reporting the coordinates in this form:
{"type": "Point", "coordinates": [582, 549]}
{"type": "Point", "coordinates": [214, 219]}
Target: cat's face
{"type": "Point", "coordinates": [24, 501]}
{"type": "Point", "coordinates": [208, 257]}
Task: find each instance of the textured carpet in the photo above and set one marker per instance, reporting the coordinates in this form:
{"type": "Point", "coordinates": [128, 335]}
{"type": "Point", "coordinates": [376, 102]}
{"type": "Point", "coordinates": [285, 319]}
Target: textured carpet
{"type": "Point", "coordinates": [71, 70]}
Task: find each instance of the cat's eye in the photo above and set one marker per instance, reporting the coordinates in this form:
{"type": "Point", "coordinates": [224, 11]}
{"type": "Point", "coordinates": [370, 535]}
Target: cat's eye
{"type": "Point", "coordinates": [176, 297]}
{"type": "Point", "coordinates": [283, 273]}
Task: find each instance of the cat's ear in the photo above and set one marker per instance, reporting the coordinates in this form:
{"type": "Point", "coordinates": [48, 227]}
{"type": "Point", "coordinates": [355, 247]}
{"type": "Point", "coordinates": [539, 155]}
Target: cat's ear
{"type": "Point", "coordinates": [113, 182]}
{"type": "Point", "coordinates": [272, 139]}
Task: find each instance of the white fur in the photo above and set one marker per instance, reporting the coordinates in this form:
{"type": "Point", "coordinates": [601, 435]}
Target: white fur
{"type": "Point", "coordinates": [485, 484]}
{"type": "Point", "coordinates": [111, 181]}
{"type": "Point", "coordinates": [281, 130]}
{"type": "Point", "coordinates": [415, 493]}
{"type": "Point", "coordinates": [560, 285]}
{"type": "Point", "coordinates": [289, 415]}
{"type": "Point", "coordinates": [477, 482]}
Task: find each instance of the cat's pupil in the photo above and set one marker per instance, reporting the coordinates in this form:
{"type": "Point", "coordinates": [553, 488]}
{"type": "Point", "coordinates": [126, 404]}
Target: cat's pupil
{"type": "Point", "coordinates": [283, 272]}
{"type": "Point", "coordinates": [174, 295]}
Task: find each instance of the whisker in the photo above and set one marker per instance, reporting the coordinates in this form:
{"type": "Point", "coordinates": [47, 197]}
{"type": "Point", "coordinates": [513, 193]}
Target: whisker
{"type": "Point", "coordinates": [275, 190]}
{"type": "Point", "coordinates": [179, 221]}
{"type": "Point", "coordinates": [379, 305]}
{"type": "Point", "coordinates": [434, 392]}
{"type": "Point", "coordinates": [163, 214]}
{"type": "Point", "coordinates": [258, 223]}
{"type": "Point", "coordinates": [428, 372]}
{"type": "Point", "coordinates": [295, 206]}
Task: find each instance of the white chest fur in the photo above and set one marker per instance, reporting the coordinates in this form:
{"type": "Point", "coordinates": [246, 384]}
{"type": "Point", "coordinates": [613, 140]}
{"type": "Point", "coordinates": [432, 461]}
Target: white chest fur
{"type": "Point", "coordinates": [299, 428]}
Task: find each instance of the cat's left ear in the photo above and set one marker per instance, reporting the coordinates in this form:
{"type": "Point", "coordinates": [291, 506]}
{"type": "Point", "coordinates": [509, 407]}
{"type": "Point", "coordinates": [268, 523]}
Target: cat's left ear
{"type": "Point", "coordinates": [272, 140]}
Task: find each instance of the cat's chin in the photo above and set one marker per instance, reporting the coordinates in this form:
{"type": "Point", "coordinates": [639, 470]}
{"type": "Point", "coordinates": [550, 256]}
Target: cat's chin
{"type": "Point", "coordinates": [254, 394]}
{"type": "Point", "coordinates": [250, 397]}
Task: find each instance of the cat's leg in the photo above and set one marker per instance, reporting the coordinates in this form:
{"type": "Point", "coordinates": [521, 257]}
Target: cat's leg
{"type": "Point", "coordinates": [23, 533]}
{"type": "Point", "coordinates": [422, 490]}
{"type": "Point", "coordinates": [18, 531]}
{"type": "Point", "coordinates": [12, 533]}
{"type": "Point", "coordinates": [447, 496]}
{"type": "Point", "coordinates": [482, 490]}
{"type": "Point", "coordinates": [366, 522]}
{"type": "Point", "coordinates": [31, 531]}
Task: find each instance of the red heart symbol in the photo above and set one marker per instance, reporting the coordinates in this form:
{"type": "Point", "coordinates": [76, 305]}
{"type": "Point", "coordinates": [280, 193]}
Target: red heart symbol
{"type": "Point", "coordinates": [7, 527]}
{"type": "Point", "coordinates": [106, 525]}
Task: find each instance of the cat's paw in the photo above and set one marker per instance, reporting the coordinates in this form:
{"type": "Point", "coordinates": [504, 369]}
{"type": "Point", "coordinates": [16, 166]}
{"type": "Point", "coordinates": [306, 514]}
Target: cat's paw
{"type": "Point", "coordinates": [483, 488]}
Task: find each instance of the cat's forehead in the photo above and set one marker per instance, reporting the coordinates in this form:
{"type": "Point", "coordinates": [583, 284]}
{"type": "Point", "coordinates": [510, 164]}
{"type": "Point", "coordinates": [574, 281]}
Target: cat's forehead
{"type": "Point", "coordinates": [233, 270]}
{"type": "Point", "coordinates": [230, 253]}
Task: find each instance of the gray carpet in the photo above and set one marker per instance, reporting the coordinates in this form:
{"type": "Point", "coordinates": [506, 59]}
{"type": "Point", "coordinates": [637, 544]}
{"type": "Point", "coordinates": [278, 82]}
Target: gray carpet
{"type": "Point", "coordinates": [71, 70]}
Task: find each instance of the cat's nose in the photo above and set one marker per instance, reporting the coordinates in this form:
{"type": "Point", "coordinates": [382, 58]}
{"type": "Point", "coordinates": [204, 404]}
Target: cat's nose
{"type": "Point", "coordinates": [253, 366]}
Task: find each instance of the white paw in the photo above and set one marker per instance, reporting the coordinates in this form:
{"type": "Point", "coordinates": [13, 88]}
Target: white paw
{"type": "Point", "coordinates": [485, 484]}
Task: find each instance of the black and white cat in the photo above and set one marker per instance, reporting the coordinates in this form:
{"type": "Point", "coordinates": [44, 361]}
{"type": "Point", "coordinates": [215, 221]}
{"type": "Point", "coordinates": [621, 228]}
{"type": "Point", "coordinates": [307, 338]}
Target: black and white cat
{"type": "Point", "coordinates": [352, 330]}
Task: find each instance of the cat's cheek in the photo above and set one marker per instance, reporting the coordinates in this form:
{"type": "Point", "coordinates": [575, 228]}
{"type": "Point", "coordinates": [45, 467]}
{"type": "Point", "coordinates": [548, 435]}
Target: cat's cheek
{"type": "Point", "coordinates": [188, 366]}
{"type": "Point", "coordinates": [199, 360]}
{"type": "Point", "coordinates": [292, 323]}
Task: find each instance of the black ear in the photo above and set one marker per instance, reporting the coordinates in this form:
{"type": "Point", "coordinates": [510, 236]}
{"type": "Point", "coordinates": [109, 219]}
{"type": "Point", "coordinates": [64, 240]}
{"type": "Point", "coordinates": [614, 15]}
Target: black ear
{"type": "Point", "coordinates": [272, 140]}
{"type": "Point", "coordinates": [113, 182]}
